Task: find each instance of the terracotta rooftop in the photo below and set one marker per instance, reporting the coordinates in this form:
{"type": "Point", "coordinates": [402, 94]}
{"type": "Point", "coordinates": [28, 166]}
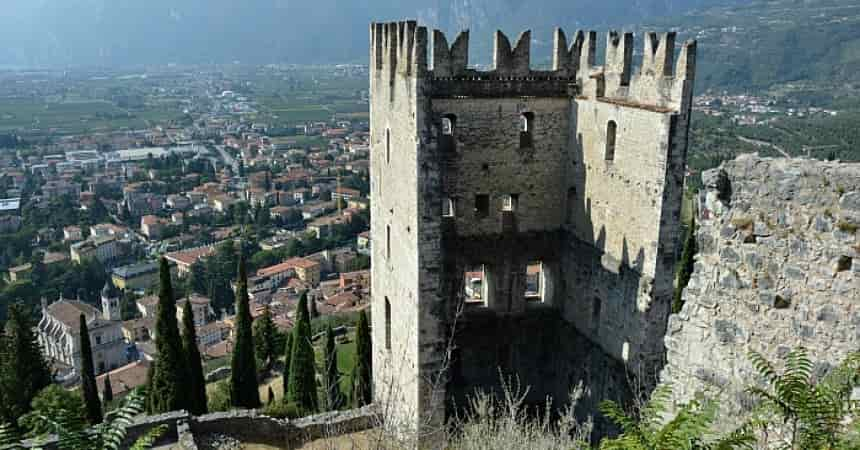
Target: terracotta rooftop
{"type": "Point", "coordinates": [126, 378]}
{"type": "Point", "coordinates": [190, 256]}
{"type": "Point", "coordinates": [293, 263]}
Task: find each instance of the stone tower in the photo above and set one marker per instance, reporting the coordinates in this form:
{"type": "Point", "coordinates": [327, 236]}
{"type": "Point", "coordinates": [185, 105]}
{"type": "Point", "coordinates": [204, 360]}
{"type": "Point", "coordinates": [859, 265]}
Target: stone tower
{"type": "Point", "coordinates": [523, 222]}
{"type": "Point", "coordinates": [111, 309]}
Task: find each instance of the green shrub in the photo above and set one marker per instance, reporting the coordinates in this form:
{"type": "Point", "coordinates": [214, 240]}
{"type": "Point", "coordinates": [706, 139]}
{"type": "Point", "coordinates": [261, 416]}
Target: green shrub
{"type": "Point", "coordinates": [283, 410]}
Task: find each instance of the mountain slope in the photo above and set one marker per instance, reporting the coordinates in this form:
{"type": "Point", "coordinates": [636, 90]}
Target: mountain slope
{"type": "Point", "coordinates": [124, 32]}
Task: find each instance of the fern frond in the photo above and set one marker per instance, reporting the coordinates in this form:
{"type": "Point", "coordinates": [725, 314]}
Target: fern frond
{"type": "Point", "coordinates": [762, 366]}
{"type": "Point", "coordinates": [617, 415]}
{"type": "Point", "coordinates": [148, 440]}
{"type": "Point", "coordinates": [9, 438]}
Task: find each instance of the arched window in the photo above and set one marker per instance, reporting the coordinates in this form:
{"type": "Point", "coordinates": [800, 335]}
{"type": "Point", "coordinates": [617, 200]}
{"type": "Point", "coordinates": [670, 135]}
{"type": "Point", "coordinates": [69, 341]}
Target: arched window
{"type": "Point", "coordinates": [387, 324]}
{"type": "Point", "coordinates": [448, 125]}
{"type": "Point", "coordinates": [387, 146]}
{"type": "Point", "coordinates": [447, 140]}
{"type": "Point", "coordinates": [448, 207]}
{"type": "Point", "coordinates": [527, 122]}
{"type": "Point", "coordinates": [611, 131]}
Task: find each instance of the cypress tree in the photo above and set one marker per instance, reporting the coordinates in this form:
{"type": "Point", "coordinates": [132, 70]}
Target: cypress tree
{"type": "Point", "coordinates": [196, 380]}
{"type": "Point", "coordinates": [88, 376]}
{"type": "Point", "coordinates": [362, 371]}
{"type": "Point", "coordinates": [23, 371]}
{"type": "Point", "coordinates": [303, 386]}
{"type": "Point", "coordinates": [271, 396]}
{"type": "Point", "coordinates": [107, 391]}
{"type": "Point", "coordinates": [264, 338]}
{"type": "Point", "coordinates": [686, 265]}
{"type": "Point", "coordinates": [332, 376]}
{"type": "Point", "coordinates": [288, 356]}
{"type": "Point", "coordinates": [169, 383]}
{"type": "Point", "coordinates": [244, 392]}
{"type": "Point", "coordinates": [313, 309]}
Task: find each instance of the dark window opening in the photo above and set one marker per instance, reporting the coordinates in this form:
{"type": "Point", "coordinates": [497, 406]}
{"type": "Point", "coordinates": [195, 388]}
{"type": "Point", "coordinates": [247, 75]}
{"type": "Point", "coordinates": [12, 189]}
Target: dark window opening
{"type": "Point", "coordinates": [611, 131]}
{"type": "Point", "coordinates": [447, 139]}
{"type": "Point", "coordinates": [387, 324]}
{"type": "Point", "coordinates": [482, 205]}
{"type": "Point", "coordinates": [595, 313]}
{"type": "Point", "coordinates": [527, 120]}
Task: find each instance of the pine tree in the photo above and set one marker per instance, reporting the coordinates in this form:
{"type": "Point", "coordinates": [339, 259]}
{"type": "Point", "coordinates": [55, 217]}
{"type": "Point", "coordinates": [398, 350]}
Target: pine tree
{"type": "Point", "coordinates": [23, 370]}
{"type": "Point", "coordinates": [264, 338]}
{"type": "Point", "coordinates": [288, 356]}
{"type": "Point", "coordinates": [244, 392]}
{"type": "Point", "coordinates": [196, 380]}
{"type": "Point", "coordinates": [107, 391]}
{"type": "Point", "coordinates": [88, 376]}
{"type": "Point", "coordinates": [303, 386]}
{"type": "Point", "coordinates": [362, 372]}
{"type": "Point", "coordinates": [332, 376]}
{"type": "Point", "coordinates": [168, 388]}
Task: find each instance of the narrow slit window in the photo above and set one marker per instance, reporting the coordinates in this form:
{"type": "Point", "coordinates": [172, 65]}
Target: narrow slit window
{"type": "Point", "coordinates": [448, 207]}
{"type": "Point", "coordinates": [387, 241]}
{"type": "Point", "coordinates": [611, 131]}
{"type": "Point", "coordinates": [510, 202]}
{"type": "Point", "coordinates": [527, 120]}
{"type": "Point", "coordinates": [388, 146]}
{"type": "Point", "coordinates": [595, 312]}
{"type": "Point", "coordinates": [571, 204]}
{"type": "Point", "coordinates": [387, 324]}
{"type": "Point", "coordinates": [482, 205]}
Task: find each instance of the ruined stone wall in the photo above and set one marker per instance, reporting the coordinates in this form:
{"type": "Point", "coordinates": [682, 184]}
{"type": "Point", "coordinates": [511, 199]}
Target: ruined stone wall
{"type": "Point", "coordinates": [777, 268]}
{"type": "Point", "coordinates": [602, 230]}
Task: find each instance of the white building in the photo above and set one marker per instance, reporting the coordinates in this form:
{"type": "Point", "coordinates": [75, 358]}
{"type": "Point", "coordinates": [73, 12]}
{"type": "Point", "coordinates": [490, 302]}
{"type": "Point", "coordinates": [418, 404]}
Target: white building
{"type": "Point", "coordinates": [58, 333]}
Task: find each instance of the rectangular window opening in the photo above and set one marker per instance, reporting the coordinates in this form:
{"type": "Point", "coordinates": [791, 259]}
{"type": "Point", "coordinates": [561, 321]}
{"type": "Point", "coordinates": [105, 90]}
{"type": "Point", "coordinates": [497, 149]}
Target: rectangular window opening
{"type": "Point", "coordinates": [482, 205]}
{"type": "Point", "coordinates": [535, 282]}
{"type": "Point", "coordinates": [475, 285]}
{"type": "Point", "coordinates": [510, 202]}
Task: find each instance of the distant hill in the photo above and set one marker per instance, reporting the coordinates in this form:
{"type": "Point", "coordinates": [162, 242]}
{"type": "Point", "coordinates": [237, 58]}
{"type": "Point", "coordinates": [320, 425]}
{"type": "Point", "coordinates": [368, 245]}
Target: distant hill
{"type": "Point", "coordinates": [811, 47]}
{"type": "Point", "coordinates": [131, 32]}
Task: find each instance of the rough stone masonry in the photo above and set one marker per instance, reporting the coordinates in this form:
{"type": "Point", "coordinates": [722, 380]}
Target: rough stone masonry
{"type": "Point", "coordinates": [524, 223]}
{"type": "Point", "coordinates": [777, 268]}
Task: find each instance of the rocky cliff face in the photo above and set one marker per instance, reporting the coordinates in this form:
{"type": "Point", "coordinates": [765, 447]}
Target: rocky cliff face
{"type": "Point", "coordinates": [778, 267]}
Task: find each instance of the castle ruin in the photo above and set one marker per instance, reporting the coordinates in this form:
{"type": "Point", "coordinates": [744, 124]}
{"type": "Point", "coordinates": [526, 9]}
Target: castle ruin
{"type": "Point", "coordinates": [524, 222]}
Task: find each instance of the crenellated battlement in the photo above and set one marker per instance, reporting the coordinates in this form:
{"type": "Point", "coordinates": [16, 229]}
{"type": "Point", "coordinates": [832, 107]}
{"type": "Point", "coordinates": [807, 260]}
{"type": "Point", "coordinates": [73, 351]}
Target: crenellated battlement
{"type": "Point", "coordinates": [400, 49]}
